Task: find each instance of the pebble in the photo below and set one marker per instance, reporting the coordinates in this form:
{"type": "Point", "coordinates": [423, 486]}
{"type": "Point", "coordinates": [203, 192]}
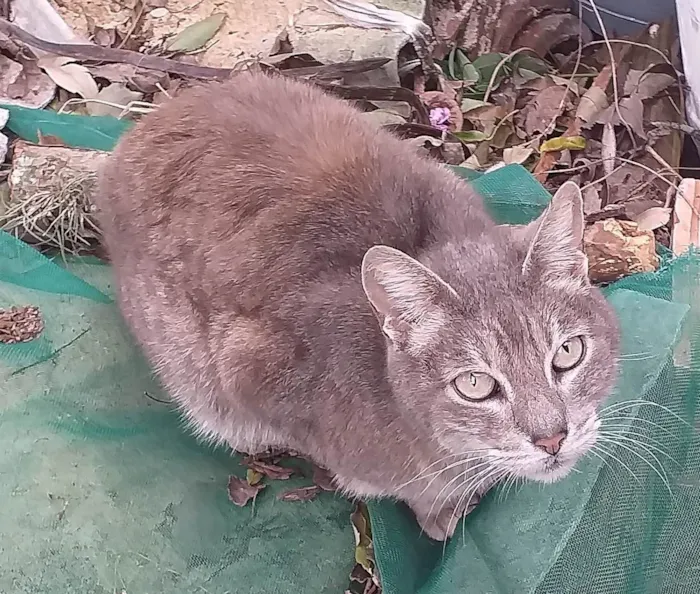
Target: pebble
{"type": "Point", "coordinates": [159, 13]}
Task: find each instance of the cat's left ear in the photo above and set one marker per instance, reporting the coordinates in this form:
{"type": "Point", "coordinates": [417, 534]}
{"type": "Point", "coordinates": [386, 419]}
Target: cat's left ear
{"type": "Point", "coordinates": [408, 298]}
{"type": "Point", "coordinates": [555, 239]}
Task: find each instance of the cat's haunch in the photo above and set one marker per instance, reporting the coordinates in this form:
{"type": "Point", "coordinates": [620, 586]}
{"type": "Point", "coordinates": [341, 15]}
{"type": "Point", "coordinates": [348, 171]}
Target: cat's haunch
{"type": "Point", "coordinates": [300, 278]}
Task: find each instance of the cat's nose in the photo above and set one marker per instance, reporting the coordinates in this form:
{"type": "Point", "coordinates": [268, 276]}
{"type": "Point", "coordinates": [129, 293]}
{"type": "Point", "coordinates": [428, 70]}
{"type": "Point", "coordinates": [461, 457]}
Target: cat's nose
{"type": "Point", "coordinates": [551, 444]}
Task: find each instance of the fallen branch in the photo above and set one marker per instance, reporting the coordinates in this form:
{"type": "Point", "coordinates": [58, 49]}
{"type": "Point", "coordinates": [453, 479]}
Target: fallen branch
{"type": "Point", "coordinates": [381, 94]}
{"type": "Point", "coordinates": [96, 53]}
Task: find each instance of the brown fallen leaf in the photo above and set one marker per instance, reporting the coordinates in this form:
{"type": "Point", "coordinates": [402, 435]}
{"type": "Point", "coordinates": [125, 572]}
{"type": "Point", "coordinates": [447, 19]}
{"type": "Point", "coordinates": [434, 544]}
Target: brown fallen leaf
{"type": "Point", "coordinates": [49, 140]}
{"type": "Point", "coordinates": [544, 109]}
{"type": "Point", "coordinates": [323, 479]}
{"type": "Point", "coordinates": [273, 471]}
{"type": "Point", "coordinates": [649, 84]}
{"type": "Point", "coordinates": [70, 76]}
{"type": "Point", "coordinates": [240, 492]}
{"type": "Point", "coordinates": [22, 83]}
{"type": "Point", "coordinates": [301, 494]}
{"type": "Point", "coordinates": [517, 154]}
{"type": "Point", "coordinates": [593, 102]}
{"type": "Point", "coordinates": [632, 111]}
{"type": "Point", "coordinates": [592, 202]}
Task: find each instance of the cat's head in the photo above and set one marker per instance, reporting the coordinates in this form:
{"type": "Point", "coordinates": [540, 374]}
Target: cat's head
{"type": "Point", "coordinates": [500, 348]}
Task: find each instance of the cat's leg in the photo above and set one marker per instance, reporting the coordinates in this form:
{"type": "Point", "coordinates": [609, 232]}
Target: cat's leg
{"type": "Point", "coordinates": [440, 523]}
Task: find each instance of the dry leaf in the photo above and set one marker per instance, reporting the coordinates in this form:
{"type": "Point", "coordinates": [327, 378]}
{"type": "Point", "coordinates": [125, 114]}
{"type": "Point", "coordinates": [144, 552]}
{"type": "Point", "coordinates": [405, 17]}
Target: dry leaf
{"type": "Point", "coordinates": [484, 118]}
{"type": "Point", "coordinates": [322, 478]}
{"type": "Point", "coordinates": [470, 104]}
{"type": "Point", "coordinates": [544, 109]}
{"type": "Point", "coordinates": [301, 494]}
{"type": "Point", "coordinates": [594, 101]}
{"type": "Point", "coordinates": [240, 492]}
{"type": "Point", "coordinates": [609, 148]}
{"type": "Point", "coordinates": [272, 471]}
{"type": "Point", "coordinates": [49, 140]}
{"type": "Point", "coordinates": [561, 143]}
{"type": "Point", "coordinates": [651, 84]}
{"type": "Point", "coordinates": [364, 554]}
{"type": "Point", "coordinates": [68, 75]}
{"type": "Point", "coordinates": [592, 201]}
{"type": "Point", "coordinates": [253, 477]}
{"type": "Point", "coordinates": [653, 218]}
{"type": "Point", "coordinates": [118, 95]}
{"type": "Point", "coordinates": [196, 35]}
{"type": "Point", "coordinates": [517, 154]}
{"type": "Point", "coordinates": [632, 112]}
{"type": "Point", "coordinates": [22, 83]}
{"type": "Point", "coordinates": [631, 81]}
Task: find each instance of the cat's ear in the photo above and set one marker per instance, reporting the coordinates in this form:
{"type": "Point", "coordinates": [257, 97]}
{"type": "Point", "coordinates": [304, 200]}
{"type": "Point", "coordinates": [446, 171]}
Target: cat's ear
{"type": "Point", "coordinates": [406, 296]}
{"type": "Point", "coordinates": [555, 239]}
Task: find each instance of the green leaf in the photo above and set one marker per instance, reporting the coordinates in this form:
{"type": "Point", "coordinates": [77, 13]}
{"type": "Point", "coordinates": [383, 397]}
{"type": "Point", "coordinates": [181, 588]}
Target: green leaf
{"type": "Point", "coordinates": [526, 74]}
{"type": "Point", "coordinates": [562, 143]}
{"type": "Point", "coordinates": [196, 35]}
{"type": "Point", "coordinates": [90, 132]}
{"type": "Point", "coordinates": [487, 63]}
{"type": "Point", "coordinates": [451, 63]}
{"type": "Point", "coordinates": [469, 74]}
{"type": "Point", "coordinates": [471, 136]}
{"type": "Point", "coordinates": [530, 62]}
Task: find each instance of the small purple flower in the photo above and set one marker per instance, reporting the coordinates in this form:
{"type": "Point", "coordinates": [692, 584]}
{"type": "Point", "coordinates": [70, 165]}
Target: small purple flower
{"type": "Point", "coordinates": [440, 117]}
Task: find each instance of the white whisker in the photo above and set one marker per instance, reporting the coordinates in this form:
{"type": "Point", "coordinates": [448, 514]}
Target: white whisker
{"type": "Point", "coordinates": [660, 473]}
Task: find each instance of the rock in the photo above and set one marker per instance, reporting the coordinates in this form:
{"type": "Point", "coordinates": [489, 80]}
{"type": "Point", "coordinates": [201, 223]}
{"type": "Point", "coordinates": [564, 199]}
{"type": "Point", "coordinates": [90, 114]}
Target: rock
{"type": "Point", "coordinates": [618, 248]}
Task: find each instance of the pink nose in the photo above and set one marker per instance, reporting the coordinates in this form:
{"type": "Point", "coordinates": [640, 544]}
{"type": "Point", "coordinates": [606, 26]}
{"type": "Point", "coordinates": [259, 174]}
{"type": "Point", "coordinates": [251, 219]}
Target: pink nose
{"type": "Point", "coordinates": [552, 444]}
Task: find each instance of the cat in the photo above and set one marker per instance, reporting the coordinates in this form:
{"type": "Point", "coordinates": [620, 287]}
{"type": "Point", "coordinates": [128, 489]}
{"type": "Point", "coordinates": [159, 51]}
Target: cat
{"type": "Point", "coordinates": [300, 278]}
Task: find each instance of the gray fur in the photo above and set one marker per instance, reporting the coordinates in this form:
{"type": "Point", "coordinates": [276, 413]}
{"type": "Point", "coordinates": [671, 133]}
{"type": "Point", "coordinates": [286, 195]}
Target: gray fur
{"type": "Point", "coordinates": [239, 218]}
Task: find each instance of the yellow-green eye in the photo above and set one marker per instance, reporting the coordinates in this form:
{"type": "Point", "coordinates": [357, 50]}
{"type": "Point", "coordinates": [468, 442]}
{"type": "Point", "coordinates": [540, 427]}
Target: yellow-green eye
{"type": "Point", "coordinates": [473, 385]}
{"type": "Point", "coordinates": [569, 354]}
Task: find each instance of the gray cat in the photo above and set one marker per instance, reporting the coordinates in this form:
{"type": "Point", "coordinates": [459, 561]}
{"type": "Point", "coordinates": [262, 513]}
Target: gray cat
{"type": "Point", "coordinates": [302, 279]}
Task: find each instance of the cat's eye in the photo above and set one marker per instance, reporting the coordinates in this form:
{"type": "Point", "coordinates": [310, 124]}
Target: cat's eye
{"type": "Point", "coordinates": [472, 385]}
{"type": "Point", "coordinates": [569, 354]}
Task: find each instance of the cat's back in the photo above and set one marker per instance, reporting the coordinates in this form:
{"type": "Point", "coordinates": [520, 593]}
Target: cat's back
{"type": "Point", "coordinates": [256, 168]}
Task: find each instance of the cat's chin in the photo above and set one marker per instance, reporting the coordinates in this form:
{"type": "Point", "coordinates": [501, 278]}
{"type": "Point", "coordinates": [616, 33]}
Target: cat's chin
{"type": "Point", "coordinates": [549, 471]}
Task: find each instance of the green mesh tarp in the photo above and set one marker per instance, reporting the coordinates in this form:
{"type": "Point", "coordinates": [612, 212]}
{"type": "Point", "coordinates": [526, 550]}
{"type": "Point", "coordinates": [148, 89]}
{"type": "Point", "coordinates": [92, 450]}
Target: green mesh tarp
{"type": "Point", "coordinates": [103, 491]}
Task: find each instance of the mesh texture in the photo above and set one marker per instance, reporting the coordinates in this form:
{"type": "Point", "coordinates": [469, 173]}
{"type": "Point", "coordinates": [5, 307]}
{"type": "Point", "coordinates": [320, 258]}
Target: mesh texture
{"type": "Point", "coordinates": [104, 491]}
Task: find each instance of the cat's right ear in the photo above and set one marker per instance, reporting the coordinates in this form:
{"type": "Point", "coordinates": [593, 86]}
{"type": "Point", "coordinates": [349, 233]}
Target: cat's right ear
{"type": "Point", "coordinates": [406, 296]}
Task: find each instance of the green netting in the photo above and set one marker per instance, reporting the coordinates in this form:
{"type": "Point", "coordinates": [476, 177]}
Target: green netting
{"type": "Point", "coordinates": [103, 491]}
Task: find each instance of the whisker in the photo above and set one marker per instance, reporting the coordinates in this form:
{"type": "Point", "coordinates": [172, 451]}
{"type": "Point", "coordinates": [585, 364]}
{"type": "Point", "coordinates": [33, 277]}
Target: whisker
{"type": "Point", "coordinates": [464, 478]}
{"type": "Point", "coordinates": [661, 474]}
{"type": "Point", "coordinates": [496, 476]}
{"type": "Point", "coordinates": [640, 357]}
{"type": "Point", "coordinates": [656, 447]}
{"type": "Point", "coordinates": [612, 456]}
{"type": "Point", "coordinates": [639, 420]}
{"type": "Point", "coordinates": [421, 475]}
{"type": "Point", "coordinates": [471, 468]}
{"type": "Point", "coordinates": [634, 403]}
